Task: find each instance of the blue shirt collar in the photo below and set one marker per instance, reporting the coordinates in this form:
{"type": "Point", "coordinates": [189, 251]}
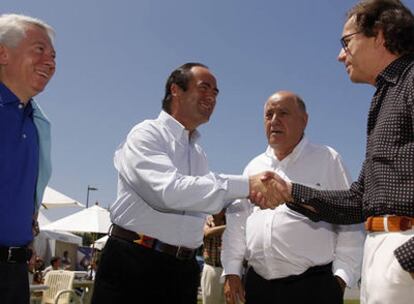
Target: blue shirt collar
{"type": "Point", "coordinates": [6, 95]}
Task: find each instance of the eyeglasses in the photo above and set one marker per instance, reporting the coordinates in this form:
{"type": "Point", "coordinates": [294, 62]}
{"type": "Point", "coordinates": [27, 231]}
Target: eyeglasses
{"type": "Point", "coordinates": [345, 40]}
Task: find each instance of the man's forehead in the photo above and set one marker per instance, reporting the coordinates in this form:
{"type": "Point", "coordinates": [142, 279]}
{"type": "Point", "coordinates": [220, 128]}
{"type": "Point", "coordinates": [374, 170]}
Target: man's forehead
{"type": "Point", "coordinates": [37, 34]}
{"type": "Point", "coordinates": [202, 74]}
{"type": "Point", "coordinates": [278, 100]}
{"type": "Point", "coordinates": [350, 25]}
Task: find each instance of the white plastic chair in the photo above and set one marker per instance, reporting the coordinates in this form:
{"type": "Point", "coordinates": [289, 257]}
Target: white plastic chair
{"type": "Point", "coordinates": [60, 289]}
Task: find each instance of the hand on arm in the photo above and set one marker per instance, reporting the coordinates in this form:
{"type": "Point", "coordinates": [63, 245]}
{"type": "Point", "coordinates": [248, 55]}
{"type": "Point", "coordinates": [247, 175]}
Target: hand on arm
{"type": "Point", "coordinates": [214, 231]}
{"type": "Point", "coordinates": [215, 225]}
{"type": "Point", "coordinates": [233, 289]}
{"type": "Point", "coordinates": [269, 190]}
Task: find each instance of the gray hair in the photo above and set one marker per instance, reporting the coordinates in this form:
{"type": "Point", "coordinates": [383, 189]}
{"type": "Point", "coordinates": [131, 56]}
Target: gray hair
{"type": "Point", "coordinates": [13, 28]}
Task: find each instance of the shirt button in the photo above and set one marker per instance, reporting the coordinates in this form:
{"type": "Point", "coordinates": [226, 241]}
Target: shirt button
{"type": "Point", "coordinates": [20, 106]}
{"type": "Point", "coordinates": [24, 136]}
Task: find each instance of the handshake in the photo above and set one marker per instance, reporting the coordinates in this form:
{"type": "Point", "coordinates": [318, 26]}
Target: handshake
{"type": "Point", "coordinates": [269, 190]}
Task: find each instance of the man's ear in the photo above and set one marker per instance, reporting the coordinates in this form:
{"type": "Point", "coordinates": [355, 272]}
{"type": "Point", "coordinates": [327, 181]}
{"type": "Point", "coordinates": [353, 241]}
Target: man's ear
{"type": "Point", "coordinates": [379, 39]}
{"type": "Point", "coordinates": [305, 119]}
{"type": "Point", "coordinates": [4, 55]}
{"type": "Point", "coordinates": [175, 90]}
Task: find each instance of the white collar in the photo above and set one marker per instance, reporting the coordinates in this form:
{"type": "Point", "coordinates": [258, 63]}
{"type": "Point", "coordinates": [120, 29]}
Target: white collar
{"type": "Point", "coordinates": [292, 156]}
{"type": "Point", "coordinates": [177, 129]}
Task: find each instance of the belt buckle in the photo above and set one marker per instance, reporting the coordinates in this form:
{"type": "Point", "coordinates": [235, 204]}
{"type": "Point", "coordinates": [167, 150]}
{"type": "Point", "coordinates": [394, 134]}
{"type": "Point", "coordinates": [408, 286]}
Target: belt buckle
{"type": "Point", "coordinates": [145, 241]}
{"type": "Point", "coordinates": [10, 254]}
{"type": "Point", "coordinates": [183, 253]}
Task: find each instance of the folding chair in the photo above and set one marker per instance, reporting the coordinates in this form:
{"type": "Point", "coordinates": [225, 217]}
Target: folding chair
{"type": "Point", "coordinates": [60, 289]}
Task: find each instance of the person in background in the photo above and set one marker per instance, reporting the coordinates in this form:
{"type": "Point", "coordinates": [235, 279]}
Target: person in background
{"type": "Point", "coordinates": [55, 264]}
{"type": "Point", "coordinates": [211, 281]}
{"type": "Point", "coordinates": [39, 267]}
{"type": "Point", "coordinates": [290, 258]}
{"type": "Point", "coordinates": [66, 262]}
{"type": "Point", "coordinates": [31, 268]}
{"type": "Point", "coordinates": [27, 63]}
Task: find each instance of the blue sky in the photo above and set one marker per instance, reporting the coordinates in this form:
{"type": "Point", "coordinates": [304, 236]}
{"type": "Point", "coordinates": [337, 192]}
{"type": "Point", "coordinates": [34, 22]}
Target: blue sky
{"type": "Point", "coordinates": [113, 58]}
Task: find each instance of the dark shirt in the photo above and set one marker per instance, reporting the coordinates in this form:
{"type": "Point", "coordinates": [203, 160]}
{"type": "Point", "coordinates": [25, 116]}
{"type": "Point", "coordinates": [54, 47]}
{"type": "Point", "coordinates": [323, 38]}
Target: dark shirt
{"type": "Point", "coordinates": [19, 158]}
{"type": "Point", "coordinates": [386, 181]}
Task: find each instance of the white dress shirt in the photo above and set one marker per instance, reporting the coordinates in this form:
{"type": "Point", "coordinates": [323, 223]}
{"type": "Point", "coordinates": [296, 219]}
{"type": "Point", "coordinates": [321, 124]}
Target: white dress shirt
{"type": "Point", "coordinates": [165, 188]}
{"type": "Point", "coordinates": [281, 242]}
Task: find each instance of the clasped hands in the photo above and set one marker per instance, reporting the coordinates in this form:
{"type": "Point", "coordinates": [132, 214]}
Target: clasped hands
{"type": "Point", "coordinates": [269, 190]}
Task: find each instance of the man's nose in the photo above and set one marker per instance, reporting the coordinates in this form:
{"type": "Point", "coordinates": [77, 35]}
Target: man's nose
{"type": "Point", "coordinates": [211, 96]}
{"type": "Point", "coordinates": [342, 55]}
{"type": "Point", "coordinates": [275, 118]}
{"type": "Point", "coordinates": [49, 59]}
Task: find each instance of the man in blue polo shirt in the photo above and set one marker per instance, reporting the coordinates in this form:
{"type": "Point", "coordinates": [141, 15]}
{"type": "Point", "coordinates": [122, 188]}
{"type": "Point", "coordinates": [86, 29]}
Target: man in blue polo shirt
{"type": "Point", "coordinates": [27, 63]}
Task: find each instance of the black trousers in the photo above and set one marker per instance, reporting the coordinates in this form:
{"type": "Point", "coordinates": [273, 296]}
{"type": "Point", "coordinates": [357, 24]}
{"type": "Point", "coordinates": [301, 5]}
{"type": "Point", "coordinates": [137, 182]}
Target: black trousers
{"type": "Point", "coordinates": [317, 285]}
{"type": "Point", "coordinates": [14, 283]}
{"type": "Point", "coordinates": [130, 273]}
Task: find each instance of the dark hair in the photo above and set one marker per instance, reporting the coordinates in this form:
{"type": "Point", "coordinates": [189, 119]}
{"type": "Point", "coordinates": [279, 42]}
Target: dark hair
{"type": "Point", "coordinates": [54, 259]}
{"type": "Point", "coordinates": [180, 76]}
{"type": "Point", "coordinates": [392, 17]}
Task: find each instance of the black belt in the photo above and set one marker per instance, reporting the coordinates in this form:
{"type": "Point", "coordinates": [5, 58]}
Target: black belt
{"type": "Point", "coordinates": [325, 269]}
{"type": "Point", "coordinates": [181, 253]}
{"type": "Point", "coordinates": [15, 254]}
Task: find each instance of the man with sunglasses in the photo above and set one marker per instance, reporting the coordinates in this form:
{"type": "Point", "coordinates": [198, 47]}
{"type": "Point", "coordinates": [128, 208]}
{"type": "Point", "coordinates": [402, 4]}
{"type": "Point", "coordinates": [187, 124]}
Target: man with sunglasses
{"type": "Point", "coordinates": [377, 49]}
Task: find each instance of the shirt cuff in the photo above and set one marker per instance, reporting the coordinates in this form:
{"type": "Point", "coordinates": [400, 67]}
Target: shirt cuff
{"type": "Point", "coordinates": [233, 267]}
{"type": "Point", "coordinates": [342, 274]}
{"type": "Point", "coordinates": [237, 187]}
{"type": "Point", "coordinates": [301, 195]}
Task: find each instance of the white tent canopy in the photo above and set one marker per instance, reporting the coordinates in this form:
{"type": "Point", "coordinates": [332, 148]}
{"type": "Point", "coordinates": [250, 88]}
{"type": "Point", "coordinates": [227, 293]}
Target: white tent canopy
{"type": "Point", "coordinates": [42, 219]}
{"type": "Point", "coordinates": [100, 243]}
{"type": "Point", "coordinates": [93, 219]}
{"type": "Point", "coordinates": [62, 236]}
{"type": "Point", "coordinates": [53, 198]}
{"type": "Point", "coordinates": [50, 243]}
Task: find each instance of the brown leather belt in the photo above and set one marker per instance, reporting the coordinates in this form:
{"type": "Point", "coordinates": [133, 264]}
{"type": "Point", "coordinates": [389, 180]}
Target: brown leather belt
{"type": "Point", "coordinates": [389, 223]}
{"type": "Point", "coordinates": [15, 255]}
{"type": "Point", "coordinates": [181, 253]}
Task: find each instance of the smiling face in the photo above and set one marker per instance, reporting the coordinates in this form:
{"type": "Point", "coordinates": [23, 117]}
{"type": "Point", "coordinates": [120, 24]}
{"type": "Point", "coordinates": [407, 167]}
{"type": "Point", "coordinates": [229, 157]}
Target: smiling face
{"type": "Point", "coordinates": [194, 106]}
{"type": "Point", "coordinates": [285, 122]}
{"type": "Point", "coordinates": [27, 68]}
